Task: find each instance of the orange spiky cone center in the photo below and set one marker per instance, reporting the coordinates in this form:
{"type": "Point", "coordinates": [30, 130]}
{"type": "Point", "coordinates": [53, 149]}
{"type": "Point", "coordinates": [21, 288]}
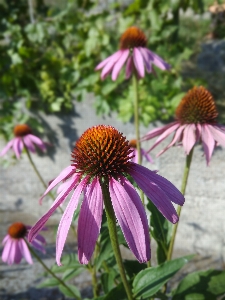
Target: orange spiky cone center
{"type": "Point", "coordinates": [133, 37]}
{"type": "Point", "coordinates": [17, 230]}
{"type": "Point", "coordinates": [197, 106]}
{"type": "Point", "coordinates": [102, 151]}
{"type": "Point", "coordinates": [21, 130]}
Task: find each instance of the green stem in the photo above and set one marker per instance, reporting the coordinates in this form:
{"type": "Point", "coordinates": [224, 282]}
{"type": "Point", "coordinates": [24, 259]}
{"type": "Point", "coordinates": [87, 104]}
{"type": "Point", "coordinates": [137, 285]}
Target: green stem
{"type": "Point", "coordinates": [136, 118]}
{"type": "Point", "coordinates": [49, 271]}
{"type": "Point", "coordinates": [183, 188]}
{"type": "Point", "coordinates": [113, 236]}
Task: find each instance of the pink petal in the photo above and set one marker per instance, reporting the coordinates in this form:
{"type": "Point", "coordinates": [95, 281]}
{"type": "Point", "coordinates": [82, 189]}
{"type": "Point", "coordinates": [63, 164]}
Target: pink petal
{"type": "Point", "coordinates": [129, 67]}
{"type": "Point", "coordinates": [38, 246]}
{"type": "Point", "coordinates": [65, 173]}
{"type": "Point", "coordinates": [17, 146]}
{"type": "Point", "coordinates": [218, 134]}
{"type": "Point", "coordinates": [146, 155]}
{"type": "Point", "coordinates": [138, 62]}
{"type": "Point", "coordinates": [208, 142]}
{"type": "Point", "coordinates": [66, 219]}
{"type": "Point", "coordinates": [106, 60]}
{"type": "Point", "coordinates": [189, 137]}
{"type": "Point", "coordinates": [132, 218]}
{"type": "Point", "coordinates": [28, 143]}
{"type": "Point", "coordinates": [145, 56]}
{"type": "Point", "coordinates": [176, 138]}
{"type": "Point", "coordinates": [25, 251]}
{"type": "Point", "coordinates": [169, 189]}
{"type": "Point", "coordinates": [109, 65]}
{"type": "Point", "coordinates": [156, 192]}
{"type": "Point", "coordinates": [7, 249]}
{"type": "Point", "coordinates": [89, 222]}
{"type": "Point", "coordinates": [157, 131]}
{"type": "Point", "coordinates": [40, 223]}
{"type": "Point", "coordinates": [7, 147]}
{"type": "Point", "coordinates": [168, 130]}
{"type": "Point", "coordinates": [157, 60]}
{"type": "Point", "coordinates": [18, 254]}
{"type": "Point", "coordinates": [37, 141]}
{"type": "Point", "coordinates": [119, 64]}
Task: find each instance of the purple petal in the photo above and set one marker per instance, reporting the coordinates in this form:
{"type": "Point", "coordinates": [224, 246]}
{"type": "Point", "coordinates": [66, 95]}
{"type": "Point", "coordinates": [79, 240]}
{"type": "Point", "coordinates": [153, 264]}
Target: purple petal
{"type": "Point", "coordinates": [218, 134]}
{"type": "Point", "coordinates": [17, 146]}
{"type": "Point", "coordinates": [157, 60]}
{"type": "Point", "coordinates": [189, 137]}
{"type": "Point", "coordinates": [147, 61]}
{"type": "Point", "coordinates": [65, 173]}
{"type": "Point", "coordinates": [132, 218]}
{"type": "Point", "coordinates": [173, 127]}
{"type": "Point", "coordinates": [18, 254]}
{"type": "Point", "coordinates": [157, 131]}
{"type": "Point", "coordinates": [146, 155]}
{"type": "Point", "coordinates": [158, 190]}
{"type": "Point", "coordinates": [106, 60]}
{"type": "Point", "coordinates": [208, 142]}
{"type": "Point", "coordinates": [37, 141]}
{"type": "Point", "coordinates": [7, 147]}
{"type": "Point", "coordinates": [40, 223]}
{"type": "Point", "coordinates": [129, 67]}
{"type": "Point", "coordinates": [6, 249]}
{"type": "Point", "coordinates": [38, 246]}
{"type": "Point", "coordinates": [138, 62]}
{"type": "Point", "coordinates": [109, 65]}
{"type": "Point", "coordinates": [169, 189]}
{"type": "Point", "coordinates": [66, 219]}
{"type": "Point", "coordinates": [119, 64]}
{"type": "Point", "coordinates": [29, 144]}
{"type": "Point", "coordinates": [89, 222]}
{"type": "Point", "coordinates": [25, 251]}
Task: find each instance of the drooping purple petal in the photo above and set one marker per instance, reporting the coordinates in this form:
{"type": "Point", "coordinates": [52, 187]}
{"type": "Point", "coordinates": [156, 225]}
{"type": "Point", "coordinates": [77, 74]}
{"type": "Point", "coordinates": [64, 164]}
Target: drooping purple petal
{"type": "Point", "coordinates": [65, 173]}
{"type": "Point", "coordinates": [145, 56]}
{"type": "Point", "coordinates": [157, 131]}
{"type": "Point", "coordinates": [89, 222]}
{"type": "Point", "coordinates": [38, 246]}
{"type": "Point", "coordinates": [208, 142]}
{"type": "Point", "coordinates": [37, 141]}
{"type": "Point", "coordinates": [29, 144]}
{"type": "Point", "coordinates": [41, 223]}
{"type": "Point", "coordinates": [131, 217]}
{"type": "Point", "coordinates": [157, 60]}
{"type": "Point", "coordinates": [66, 219]}
{"type": "Point", "coordinates": [218, 134]}
{"type": "Point", "coordinates": [6, 249]}
{"type": "Point", "coordinates": [18, 254]}
{"type": "Point", "coordinates": [189, 137]}
{"type": "Point", "coordinates": [106, 60]}
{"type": "Point", "coordinates": [109, 65]}
{"type": "Point", "coordinates": [165, 134]}
{"type": "Point", "coordinates": [129, 67]}
{"type": "Point", "coordinates": [25, 251]}
{"type": "Point", "coordinates": [7, 147]}
{"type": "Point", "coordinates": [119, 64]}
{"type": "Point", "coordinates": [16, 146]}
{"type": "Point", "coordinates": [169, 189]}
{"type": "Point", "coordinates": [146, 156]}
{"type": "Point", "coordinates": [156, 192]}
{"type": "Point", "coordinates": [138, 62]}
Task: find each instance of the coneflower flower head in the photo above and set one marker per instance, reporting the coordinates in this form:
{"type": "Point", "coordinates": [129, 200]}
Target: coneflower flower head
{"type": "Point", "coordinates": [134, 156]}
{"type": "Point", "coordinates": [134, 54]}
{"type": "Point", "coordinates": [195, 122]}
{"type": "Point", "coordinates": [23, 137]}
{"type": "Point", "coordinates": [102, 155]}
{"type": "Point", "coordinates": [15, 246]}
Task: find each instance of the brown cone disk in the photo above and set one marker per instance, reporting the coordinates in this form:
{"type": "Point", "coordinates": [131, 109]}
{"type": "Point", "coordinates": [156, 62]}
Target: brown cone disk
{"type": "Point", "coordinates": [197, 106]}
{"type": "Point", "coordinates": [101, 151]}
{"type": "Point", "coordinates": [17, 230]}
{"type": "Point", "coordinates": [132, 37]}
{"type": "Point", "coordinates": [133, 143]}
{"type": "Point", "coordinates": [21, 130]}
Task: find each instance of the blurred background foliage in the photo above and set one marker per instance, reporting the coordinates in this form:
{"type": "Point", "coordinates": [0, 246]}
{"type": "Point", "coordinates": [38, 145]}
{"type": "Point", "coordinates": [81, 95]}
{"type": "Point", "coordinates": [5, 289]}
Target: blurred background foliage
{"type": "Point", "coordinates": [48, 53]}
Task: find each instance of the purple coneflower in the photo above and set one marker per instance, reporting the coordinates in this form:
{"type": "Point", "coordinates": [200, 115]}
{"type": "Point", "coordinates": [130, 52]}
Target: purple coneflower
{"type": "Point", "coordinates": [134, 154]}
{"type": "Point", "coordinates": [102, 156]}
{"type": "Point", "coordinates": [23, 137]}
{"type": "Point", "coordinates": [134, 54]}
{"type": "Point", "coordinates": [196, 122]}
{"type": "Point", "coordinates": [15, 247]}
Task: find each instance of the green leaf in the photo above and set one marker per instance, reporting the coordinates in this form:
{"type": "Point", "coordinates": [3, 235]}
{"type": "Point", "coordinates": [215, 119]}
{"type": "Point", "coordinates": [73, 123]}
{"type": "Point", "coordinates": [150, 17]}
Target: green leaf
{"type": "Point", "coordinates": [49, 282]}
{"type": "Point", "coordinates": [107, 280]}
{"type": "Point", "coordinates": [68, 293]}
{"type": "Point", "coordinates": [150, 281]}
{"type": "Point", "coordinates": [117, 293]}
{"type": "Point", "coordinates": [133, 267]}
{"type": "Point", "coordinates": [71, 273]}
{"type": "Point", "coordinates": [203, 284]}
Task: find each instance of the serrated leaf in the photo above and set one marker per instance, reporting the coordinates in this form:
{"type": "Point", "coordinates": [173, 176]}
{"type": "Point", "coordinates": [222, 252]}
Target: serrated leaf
{"type": "Point", "coordinates": [150, 281]}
